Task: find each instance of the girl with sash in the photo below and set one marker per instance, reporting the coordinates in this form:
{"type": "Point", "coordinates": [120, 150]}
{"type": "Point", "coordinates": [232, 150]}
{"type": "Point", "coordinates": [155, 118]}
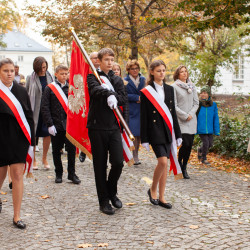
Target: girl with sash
{"type": "Point", "coordinates": [16, 133]}
{"type": "Point", "coordinates": [160, 127]}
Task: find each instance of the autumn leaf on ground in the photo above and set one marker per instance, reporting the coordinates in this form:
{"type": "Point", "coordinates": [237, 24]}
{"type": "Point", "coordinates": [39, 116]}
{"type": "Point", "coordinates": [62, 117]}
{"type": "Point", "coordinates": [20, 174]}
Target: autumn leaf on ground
{"type": "Point", "coordinates": [151, 242]}
{"type": "Point", "coordinates": [3, 192]}
{"type": "Point", "coordinates": [84, 245]}
{"type": "Point", "coordinates": [45, 196]}
{"type": "Point", "coordinates": [103, 245]}
{"type": "Point", "coordinates": [50, 177]}
{"type": "Point", "coordinates": [193, 226]}
{"type": "Point", "coordinates": [130, 204]}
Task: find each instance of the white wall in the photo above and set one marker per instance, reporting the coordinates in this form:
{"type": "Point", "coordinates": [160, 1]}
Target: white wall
{"type": "Point", "coordinates": [26, 67]}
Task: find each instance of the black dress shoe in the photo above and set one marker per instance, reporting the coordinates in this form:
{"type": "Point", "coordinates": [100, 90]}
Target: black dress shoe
{"type": "Point", "coordinates": [19, 224]}
{"type": "Point", "coordinates": [116, 202]}
{"type": "Point", "coordinates": [74, 179]}
{"type": "Point", "coordinates": [153, 201]}
{"type": "Point", "coordinates": [165, 205]}
{"type": "Point", "coordinates": [137, 163]}
{"type": "Point", "coordinates": [82, 157]}
{"type": "Point", "coordinates": [1, 205]}
{"type": "Point", "coordinates": [58, 179]}
{"type": "Point", "coordinates": [185, 174]}
{"type": "Point", "coordinates": [10, 185]}
{"type": "Point", "coordinates": [107, 209]}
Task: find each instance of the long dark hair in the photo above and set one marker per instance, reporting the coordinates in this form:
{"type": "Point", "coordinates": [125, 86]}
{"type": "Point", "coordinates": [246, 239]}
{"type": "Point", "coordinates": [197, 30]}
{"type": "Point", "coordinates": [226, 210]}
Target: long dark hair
{"type": "Point", "coordinates": [38, 62]}
{"type": "Point", "coordinates": [177, 72]}
{"type": "Point", "coordinates": [152, 66]}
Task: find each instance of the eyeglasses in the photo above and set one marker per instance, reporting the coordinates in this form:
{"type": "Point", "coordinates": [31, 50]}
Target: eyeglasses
{"type": "Point", "coordinates": [134, 69]}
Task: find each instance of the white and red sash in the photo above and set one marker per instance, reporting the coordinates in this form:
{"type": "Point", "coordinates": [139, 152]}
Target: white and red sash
{"type": "Point", "coordinates": [162, 108]}
{"type": "Point", "coordinates": [62, 98]}
{"type": "Point", "coordinates": [127, 144]}
{"type": "Point", "coordinates": [17, 110]}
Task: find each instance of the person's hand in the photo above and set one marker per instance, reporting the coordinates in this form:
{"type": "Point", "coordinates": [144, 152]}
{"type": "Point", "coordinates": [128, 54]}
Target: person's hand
{"type": "Point", "coordinates": [105, 86]}
{"type": "Point", "coordinates": [189, 118]}
{"type": "Point", "coordinates": [146, 145]}
{"type": "Point", "coordinates": [52, 130]}
{"type": "Point", "coordinates": [179, 142]}
{"type": "Point", "coordinates": [112, 102]}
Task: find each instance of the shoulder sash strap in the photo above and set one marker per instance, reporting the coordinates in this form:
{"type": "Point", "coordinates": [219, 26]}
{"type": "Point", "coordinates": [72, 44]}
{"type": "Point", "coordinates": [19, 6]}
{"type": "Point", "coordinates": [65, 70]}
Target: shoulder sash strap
{"type": "Point", "coordinates": [16, 108]}
{"type": "Point", "coordinates": [62, 98]}
{"type": "Point", "coordinates": [162, 108]}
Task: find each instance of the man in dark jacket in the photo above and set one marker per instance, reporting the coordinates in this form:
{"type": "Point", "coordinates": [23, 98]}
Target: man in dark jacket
{"type": "Point", "coordinates": [104, 131]}
{"type": "Point", "coordinates": [55, 117]}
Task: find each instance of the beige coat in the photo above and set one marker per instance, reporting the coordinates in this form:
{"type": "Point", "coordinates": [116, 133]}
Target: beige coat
{"type": "Point", "coordinates": [186, 104]}
{"type": "Point", "coordinates": [34, 89]}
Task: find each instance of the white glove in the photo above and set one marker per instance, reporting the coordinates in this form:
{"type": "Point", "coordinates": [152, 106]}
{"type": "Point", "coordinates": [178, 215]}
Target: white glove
{"type": "Point", "coordinates": [179, 142]}
{"type": "Point", "coordinates": [105, 86]}
{"type": "Point", "coordinates": [52, 130]}
{"type": "Point", "coordinates": [112, 102]}
{"type": "Point", "coordinates": [146, 145]}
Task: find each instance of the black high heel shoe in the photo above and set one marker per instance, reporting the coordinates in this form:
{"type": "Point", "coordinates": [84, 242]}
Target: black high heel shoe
{"type": "Point", "coordinates": [19, 224]}
{"type": "Point", "coordinates": [153, 201]}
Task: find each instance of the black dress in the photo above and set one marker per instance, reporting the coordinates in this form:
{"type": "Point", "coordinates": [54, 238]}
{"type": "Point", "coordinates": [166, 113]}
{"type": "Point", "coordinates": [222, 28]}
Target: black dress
{"type": "Point", "coordinates": [13, 143]}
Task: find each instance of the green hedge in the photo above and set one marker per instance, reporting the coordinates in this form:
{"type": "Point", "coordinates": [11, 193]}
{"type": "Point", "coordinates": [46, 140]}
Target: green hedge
{"type": "Point", "coordinates": [233, 139]}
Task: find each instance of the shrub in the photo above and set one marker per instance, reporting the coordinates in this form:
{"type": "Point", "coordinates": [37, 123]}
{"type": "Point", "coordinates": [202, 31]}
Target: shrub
{"type": "Point", "coordinates": [233, 139]}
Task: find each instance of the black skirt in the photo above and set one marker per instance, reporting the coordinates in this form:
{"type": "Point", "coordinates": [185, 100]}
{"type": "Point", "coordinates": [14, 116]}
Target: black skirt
{"type": "Point", "coordinates": [13, 143]}
{"type": "Point", "coordinates": [161, 150]}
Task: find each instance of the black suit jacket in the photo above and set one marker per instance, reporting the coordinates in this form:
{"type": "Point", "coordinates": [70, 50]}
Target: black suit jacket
{"type": "Point", "coordinates": [100, 116]}
{"type": "Point", "coordinates": [154, 129]}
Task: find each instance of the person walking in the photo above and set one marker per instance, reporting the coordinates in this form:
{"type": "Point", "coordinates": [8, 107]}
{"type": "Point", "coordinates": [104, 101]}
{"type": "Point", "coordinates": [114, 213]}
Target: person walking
{"type": "Point", "coordinates": [155, 130]}
{"type": "Point", "coordinates": [35, 85]}
{"type": "Point", "coordinates": [186, 105]}
{"type": "Point", "coordinates": [136, 82]}
{"type": "Point", "coordinates": [16, 134]}
{"type": "Point", "coordinates": [207, 123]}
{"type": "Point", "coordinates": [104, 131]}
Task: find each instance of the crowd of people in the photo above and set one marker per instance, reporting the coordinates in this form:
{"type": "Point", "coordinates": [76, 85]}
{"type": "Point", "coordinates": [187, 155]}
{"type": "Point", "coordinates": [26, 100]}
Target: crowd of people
{"type": "Point", "coordinates": [161, 115]}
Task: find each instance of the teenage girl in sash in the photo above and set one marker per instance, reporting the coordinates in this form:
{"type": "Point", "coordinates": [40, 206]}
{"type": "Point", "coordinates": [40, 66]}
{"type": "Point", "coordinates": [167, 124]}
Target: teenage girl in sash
{"type": "Point", "coordinates": [14, 143]}
{"type": "Point", "coordinates": [155, 131]}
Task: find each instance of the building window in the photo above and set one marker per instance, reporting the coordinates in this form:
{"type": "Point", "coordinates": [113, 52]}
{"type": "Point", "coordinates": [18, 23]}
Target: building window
{"type": "Point", "coordinates": [20, 58]}
{"type": "Point", "coordinates": [2, 57]}
{"type": "Point", "coordinates": [239, 69]}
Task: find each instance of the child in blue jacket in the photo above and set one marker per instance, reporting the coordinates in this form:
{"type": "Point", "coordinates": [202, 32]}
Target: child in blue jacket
{"type": "Point", "coordinates": [207, 123]}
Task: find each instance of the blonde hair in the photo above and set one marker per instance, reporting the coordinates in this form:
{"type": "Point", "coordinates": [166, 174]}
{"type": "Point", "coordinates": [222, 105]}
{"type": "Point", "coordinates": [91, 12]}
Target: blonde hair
{"type": "Point", "coordinates": [132, 63]}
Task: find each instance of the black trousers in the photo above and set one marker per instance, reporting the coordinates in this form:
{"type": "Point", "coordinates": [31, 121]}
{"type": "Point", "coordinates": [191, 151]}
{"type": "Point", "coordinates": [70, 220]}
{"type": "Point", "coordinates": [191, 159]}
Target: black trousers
{"type": "Point", "coordinates": [102, 143]}
{"type": "Point", "coordinates": [58, 142]}
{"type": "Point", "coordinates": [207, 142]}
{"type": "Point", "coordinates": [185, 150]}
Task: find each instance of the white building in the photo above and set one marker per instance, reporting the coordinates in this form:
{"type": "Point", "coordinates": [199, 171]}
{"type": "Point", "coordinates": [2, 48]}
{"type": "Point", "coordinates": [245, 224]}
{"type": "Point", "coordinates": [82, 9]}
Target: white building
{"type": "Point", "coordinates": [237, 81]}
{"type": "Point", "coordinates": [22, 50]}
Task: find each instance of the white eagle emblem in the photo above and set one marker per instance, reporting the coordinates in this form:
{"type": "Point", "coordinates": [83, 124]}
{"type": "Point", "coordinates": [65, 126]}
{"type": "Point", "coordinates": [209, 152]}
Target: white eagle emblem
{"type": "Point", "coordinates": [76, 99]}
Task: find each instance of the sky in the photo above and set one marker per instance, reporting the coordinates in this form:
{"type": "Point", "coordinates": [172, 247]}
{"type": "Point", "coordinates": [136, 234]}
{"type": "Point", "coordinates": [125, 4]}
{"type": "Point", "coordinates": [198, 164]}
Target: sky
{"type": "Point", "coordinates": [33, 29]}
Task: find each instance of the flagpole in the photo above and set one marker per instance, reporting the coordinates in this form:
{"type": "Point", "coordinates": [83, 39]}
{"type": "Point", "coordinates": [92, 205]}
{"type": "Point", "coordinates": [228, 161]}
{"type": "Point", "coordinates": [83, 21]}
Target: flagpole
{"type": "Point", "coordinates": [116, 110]}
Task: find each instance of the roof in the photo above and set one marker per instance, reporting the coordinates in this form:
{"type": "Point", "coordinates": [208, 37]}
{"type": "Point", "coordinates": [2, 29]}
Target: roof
{"type": "Point", "coordinates": [17, 41]}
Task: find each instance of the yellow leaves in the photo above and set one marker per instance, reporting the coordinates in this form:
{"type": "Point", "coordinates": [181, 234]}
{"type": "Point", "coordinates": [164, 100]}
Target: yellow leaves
{"type": "Point", "coordinates": [3, 192]}
{"type": "Point", "coordinates": [103, 245]}
{"type": "Point", "coordinates": [45, 196]}
{"type": "Point", "coordinates": [193, 226]}
{"type": "Point", "coordinates": [150, 242]}
{"type": "Point", "coordinates": [130, 204]}
{"type": "Point", "coordinates": [84, 245]}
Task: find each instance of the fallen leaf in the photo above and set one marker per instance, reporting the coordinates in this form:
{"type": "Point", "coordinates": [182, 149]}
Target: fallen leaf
{"type": "Point", "coordinates": [45, 196]}
{"type": "Point", "coordinates": [151, 242]}
{"type": "Point", "coordinates": [130, 204]}
{"type": "Point", "coordinates": [103, 245]}
{"type": "Point", "coordinates": [193, 226]}
{"type": "Point", "coordinates": [3, 192]}
{"type": "Point", "coordinates": [84, 245]}
{"type": "Point", "coordinates": [50, 177]}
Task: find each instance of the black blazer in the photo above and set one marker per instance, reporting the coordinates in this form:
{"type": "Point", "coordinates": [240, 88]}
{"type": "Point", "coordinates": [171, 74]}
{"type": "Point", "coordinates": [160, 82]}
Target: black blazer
{"type": "Point", "coordinates": [154, 129]}
{"type": "Point", "coordinates": [100, 116]}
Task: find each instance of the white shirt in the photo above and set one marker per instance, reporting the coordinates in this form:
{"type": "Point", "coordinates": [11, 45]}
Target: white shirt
{"type": "Point", "coordinates": [160, 90]}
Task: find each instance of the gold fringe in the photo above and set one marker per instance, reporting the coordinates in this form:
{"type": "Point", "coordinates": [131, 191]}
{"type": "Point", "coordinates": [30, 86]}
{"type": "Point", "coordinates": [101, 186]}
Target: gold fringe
{"type": "Point", "coordinates": [130, 162]}
{"type": "Point", "coordinates": [132, 148]}
{"type": "Point", "coordinates": [77, 144]}
{"type": "Point", "coordinates": [29, 175]}
{"type": "Point", "coordinates": [178, 177]}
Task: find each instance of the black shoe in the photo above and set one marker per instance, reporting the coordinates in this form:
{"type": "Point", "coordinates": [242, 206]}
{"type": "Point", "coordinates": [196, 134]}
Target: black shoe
{"type": "Point", "coordinates": [116, 202]}
{"type": "Point", "coordinates": [58, 179]}
{"type": "Point", "coordinates": [19, 224]}
{"type": "Point", "coordinates": [137, 163]}
{"type": "Point", "coordinates": [1, 205]}
{"type": "Point", "coordinates": [82, 157]}
{"type": "Point", "coordinates": [10, 185]}
{"type": "Point", "coordinates": [107, 209]}
{"type": "Point", "coordinates": [74, 179]}
{"type": "Point", "coordinates": [153, 201]}
{"type": "Point", "coordinates": [165, 205]}
{"type": "Point", "coordinates": [184, 172]}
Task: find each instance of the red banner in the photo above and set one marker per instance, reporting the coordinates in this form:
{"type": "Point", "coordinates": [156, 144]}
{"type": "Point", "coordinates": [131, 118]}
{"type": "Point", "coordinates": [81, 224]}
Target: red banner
{"type": "Point", "coordinates": [78, 102]}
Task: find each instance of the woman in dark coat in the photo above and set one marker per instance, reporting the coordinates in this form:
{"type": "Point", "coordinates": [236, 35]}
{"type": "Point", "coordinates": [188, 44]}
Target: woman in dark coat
{"type": "Point", "coordinates": [136, 82]}
{"type": "Point", "coordinates": [13, 143]}
{"type": "Point", "coordinates": [155, 131]}
{"type": "Point", "coordinates": [35, 85]}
